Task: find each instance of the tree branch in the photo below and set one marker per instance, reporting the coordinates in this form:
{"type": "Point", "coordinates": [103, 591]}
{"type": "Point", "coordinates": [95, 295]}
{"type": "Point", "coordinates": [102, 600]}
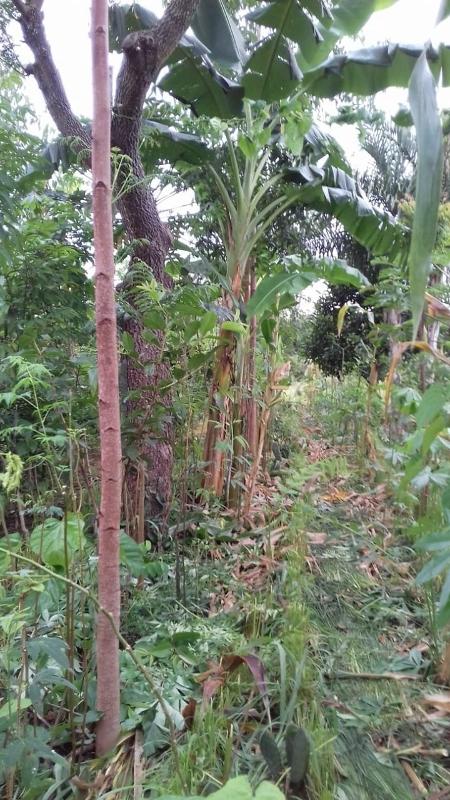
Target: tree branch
{"type": "Point", "coordinates": [144, 53]}
{"type": "Point", "coordinates": [46, 73]}
{"type": "Point", "coordinates": [172, 26]}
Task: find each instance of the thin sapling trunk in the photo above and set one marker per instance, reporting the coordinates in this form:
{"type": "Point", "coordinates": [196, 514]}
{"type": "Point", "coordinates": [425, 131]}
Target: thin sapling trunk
{"type": "Point", "coordinates": [108, 683]}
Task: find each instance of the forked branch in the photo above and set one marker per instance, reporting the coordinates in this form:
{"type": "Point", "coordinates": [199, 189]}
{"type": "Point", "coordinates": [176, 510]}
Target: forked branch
{"type": "Point", "coordinates": [144, 53]}
{"type": "Point", "coordinates": [46, 74]}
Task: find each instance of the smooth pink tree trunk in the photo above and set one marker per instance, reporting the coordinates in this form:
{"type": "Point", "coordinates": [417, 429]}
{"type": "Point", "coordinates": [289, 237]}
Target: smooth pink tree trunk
{"type": "Point", "coordinates": [108, 681]}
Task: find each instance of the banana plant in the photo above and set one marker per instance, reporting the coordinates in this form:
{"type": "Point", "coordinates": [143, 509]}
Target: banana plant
{"type": "Point", "coordinates": [294, 56]}
{"type": "Point", "coordinates": [251, 204]}
{"type": "Point", "coordinates": [247, 215]}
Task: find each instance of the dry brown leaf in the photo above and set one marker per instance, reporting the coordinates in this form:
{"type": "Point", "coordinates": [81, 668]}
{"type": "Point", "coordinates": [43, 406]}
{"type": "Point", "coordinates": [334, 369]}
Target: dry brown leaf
{"type": "Point", "coordinates": [418, 784]}
{"type": "Point", "coordinates": [337, 496]}
{"type": "Point", "coordinates": [188, 713]}
{"type": "Point", "coordinates": [216, 555]}
{"type": "Point", "coordinates": [313, 565]}
{"type": "Point", "coordinates": [316, 537]}
{"type": "Point", "coordinates": [444, 667]}
{"type": "Point", "coordinates": [440, 701]}
{"type": "Point", "coordinates": [214, 678]}
{"type": "Point", "coordinates": [221, 603]}
{"type": "Point", "coordinates": [371, 567]}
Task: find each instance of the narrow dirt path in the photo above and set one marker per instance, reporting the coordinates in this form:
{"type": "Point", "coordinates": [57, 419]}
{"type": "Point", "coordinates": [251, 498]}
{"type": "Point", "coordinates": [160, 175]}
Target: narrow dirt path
{"type": "Point", "coordinates": [371, 642]}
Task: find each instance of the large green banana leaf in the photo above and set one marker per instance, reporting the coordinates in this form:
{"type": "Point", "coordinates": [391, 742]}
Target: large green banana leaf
{"type": "Point", "coordinates": [430, 159]}
{"type": "Point", "coordinates": [160, 142]}
{"type": "Point", "coordinates": [216, 28]}
{"type": "Point", "coordinates": [333, 191]}
{"type": "Point", "coordinates": [302, 34]}
{"type": "Point", "coordinates": [367, 71]}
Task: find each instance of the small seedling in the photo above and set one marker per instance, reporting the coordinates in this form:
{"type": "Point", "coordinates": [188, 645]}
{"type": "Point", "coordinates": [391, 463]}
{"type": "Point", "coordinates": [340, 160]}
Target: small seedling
{"type": "Point", "coordinates": [297, 747]}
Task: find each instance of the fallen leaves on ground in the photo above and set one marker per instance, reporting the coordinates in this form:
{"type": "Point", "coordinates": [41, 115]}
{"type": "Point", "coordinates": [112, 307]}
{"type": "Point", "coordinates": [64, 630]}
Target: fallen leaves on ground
{"type": "Point", "coordinates": [255, 573]}
{"type": "Point", "coordinates": [337, 496]}
{"type": "Point", "coordinates": [214, 678]}
{"type": "Point", "coordinates": [440, 701]}
{"type": "Point", "coordinates": [318, 450]}
{"type": "Point", "coordinates": [316, 537]}
{"type": "Point", "coordinates": [221, 603]}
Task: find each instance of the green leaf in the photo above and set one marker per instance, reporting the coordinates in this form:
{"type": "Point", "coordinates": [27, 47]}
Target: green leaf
{"type": "Point", "coordinates": [194, 81]}
{"type": "Point", "coordinates": [444, 596]}
{"type": "Point", "coordinates": [445, 503]}
{"type": "Point", "coordinates": [51, 647]}
{"type": "Point", "coordinates": [162, 143]}
{"type": "Point", "coordinates": [234, 327]}
{"type": "Point", "coordinates": [267, 328]}
{"type": "Point", "coordinates": [199, 359]}
{"type": "Point", "coordinates": [443, 615]}
{"type": "Point", "coordinates": [370, 70]}
{"type": "Point", "coordinates": [271, 755]}
{"type": "Point", "coordinates": [267, 791]}
{"type": "Point", "coordinates": [154, 320]}
{"type": "Point", "coordinates": [273, 286]}
{"type": "Point", "coordinates": [432, 403]}
{"type": "Point", "coordinates": [191, 330]}
{"type": "Point", "coordinates": [433, 431]}
{"type": "Point", "coordinates": [403, 118]}
{"type": "Point", "coordinates": [236, 789]}
{"type": "Point", "coordinates": [183, 638]}
{"type": "Point", "coordinates": [297, 754]}
{"type": "Point", "coordinates": [127, 18]}
{"type": "Point", "coordinates": [216, 29]}
{"type": "Point", "coordinates": [434, 567]}
{"type": "Point", "coordinates": [317, 37]}
{"type": "Point", "coordinates": [132, 555]}
{"type": "Point", "coordinates": [339, 273]}
{"type": "Point", "coordinates": [272, 72]}
{"type": "Point", "coordinates": [334, 271]}
{"type": "Point", "coordinates": [9, 710]}
{"type": "Point", "coordinates": [48, 540]}
{"type": "Point", "coordinates": [13, 544]}
{"type": "Point", "coordinates": [349, 16]}
{"type": "Point", "coordinates": [435, 541]}
{"type": "Point", "coordinates": [419, 476]}
{"type": "Point", "coordinates": [430, 161]}
{"type": "Point", "coordinates": [293, 137]}
{"type": "Point", "coordinates": [128, 344]}
{"type": "Point", "coordinates": [334, 191]}
{"type": "Point", "coordinates": [161, 649]}
{"type": "Point", "coordinates": [289, 20]}
{"type": "Point", "coordinates": [347, 19]}
{"type": "Point", "coordinates": [247, 146]}
{"type": "Point", "coordinates": [207, 323]}
{"type": "Point", "coordinates": [444, 11]}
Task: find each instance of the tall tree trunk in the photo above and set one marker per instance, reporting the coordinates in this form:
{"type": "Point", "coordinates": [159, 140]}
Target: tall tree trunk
{"type": "Point", "coordinates": [144, 53]}
{"type": "Point", "coordinates": [108, 684]}
{"type": "Point", "coordinates": [154, 445]}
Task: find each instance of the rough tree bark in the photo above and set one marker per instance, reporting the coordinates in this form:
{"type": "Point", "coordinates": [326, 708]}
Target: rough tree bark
{"type": "Point", "coordinates": [144, 52]}
{"type": "Point", "coordinates": [108, 680]}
